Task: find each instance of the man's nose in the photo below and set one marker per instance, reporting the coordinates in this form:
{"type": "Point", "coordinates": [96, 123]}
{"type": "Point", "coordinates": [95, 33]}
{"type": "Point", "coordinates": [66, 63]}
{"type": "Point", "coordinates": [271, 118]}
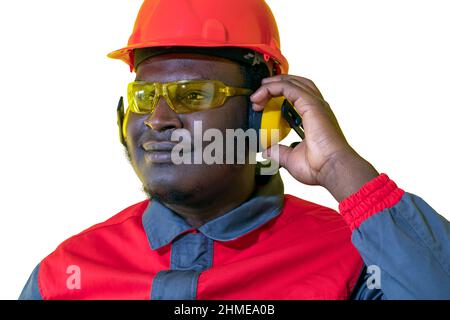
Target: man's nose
{"type": "Point", "coordinates": [163, 117]}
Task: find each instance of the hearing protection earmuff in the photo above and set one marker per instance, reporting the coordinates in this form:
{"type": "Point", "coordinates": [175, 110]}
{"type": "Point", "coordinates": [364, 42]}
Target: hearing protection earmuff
{"type": "Point", "coordinates": [121, 121]}
{"type": "Point", "coordinates": [278, 114]}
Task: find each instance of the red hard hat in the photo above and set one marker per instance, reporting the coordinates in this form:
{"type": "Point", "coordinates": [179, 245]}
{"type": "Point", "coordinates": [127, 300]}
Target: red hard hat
{"type": "Point", "coordinates": [206, 23]}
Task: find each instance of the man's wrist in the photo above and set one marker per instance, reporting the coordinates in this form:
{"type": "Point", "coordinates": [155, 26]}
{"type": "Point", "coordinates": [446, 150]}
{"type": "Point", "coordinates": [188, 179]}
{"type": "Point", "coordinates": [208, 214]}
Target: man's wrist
{"type": "Point", "coordinates": [345, 174]}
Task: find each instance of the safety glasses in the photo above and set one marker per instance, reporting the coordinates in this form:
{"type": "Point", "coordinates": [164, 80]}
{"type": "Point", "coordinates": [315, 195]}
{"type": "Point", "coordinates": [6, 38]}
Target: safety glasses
{"type": "Point", "coordinates": [185, 96]}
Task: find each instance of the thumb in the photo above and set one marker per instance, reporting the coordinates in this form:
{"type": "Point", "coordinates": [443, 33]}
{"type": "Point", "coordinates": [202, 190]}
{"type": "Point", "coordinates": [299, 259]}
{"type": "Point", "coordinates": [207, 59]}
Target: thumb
{"type": "Point", "coordinates": [278, 153]}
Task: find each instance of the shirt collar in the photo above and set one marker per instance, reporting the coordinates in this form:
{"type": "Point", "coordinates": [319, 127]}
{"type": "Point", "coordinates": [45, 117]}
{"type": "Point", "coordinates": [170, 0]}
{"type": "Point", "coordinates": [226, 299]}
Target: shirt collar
{"type": "Point", "coordinates": [162, 225]}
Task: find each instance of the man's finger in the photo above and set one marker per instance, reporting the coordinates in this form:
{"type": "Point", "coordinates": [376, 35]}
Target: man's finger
{"type": "Point", "coordinates": [305, 81]}
{"type": "Point", "coordinates": [306, 87]}
{"type": "Point", "coordinates": [289, 90]}
{"type": "Point", "coordinates": [279, 153]}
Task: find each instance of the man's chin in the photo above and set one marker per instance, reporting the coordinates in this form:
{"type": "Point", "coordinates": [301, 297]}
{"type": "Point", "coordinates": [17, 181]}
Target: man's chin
{"type": "Point", "coordinates": [169, 195]}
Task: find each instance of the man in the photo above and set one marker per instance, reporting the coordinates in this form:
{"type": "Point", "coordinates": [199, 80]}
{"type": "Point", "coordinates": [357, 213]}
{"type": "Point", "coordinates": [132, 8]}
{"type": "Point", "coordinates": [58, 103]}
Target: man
{"type": "Point", "coordinates": [222, 230]}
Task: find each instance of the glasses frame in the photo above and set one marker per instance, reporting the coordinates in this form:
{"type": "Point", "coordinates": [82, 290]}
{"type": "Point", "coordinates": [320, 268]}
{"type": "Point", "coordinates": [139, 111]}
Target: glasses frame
{"type": "Point", "coordinates": [162, 91]}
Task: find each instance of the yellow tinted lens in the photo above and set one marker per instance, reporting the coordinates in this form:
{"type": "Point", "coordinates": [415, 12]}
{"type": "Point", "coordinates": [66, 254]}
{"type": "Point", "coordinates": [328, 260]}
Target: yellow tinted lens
{"type": "Point", "coordinates": [141, 97]}
{"type": "Point", "coordinates": [192, 96]}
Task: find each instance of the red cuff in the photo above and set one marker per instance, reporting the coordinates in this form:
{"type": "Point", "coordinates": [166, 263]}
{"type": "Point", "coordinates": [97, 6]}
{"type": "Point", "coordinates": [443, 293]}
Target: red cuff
{"type": "Point", "coordinates": [376, 195]}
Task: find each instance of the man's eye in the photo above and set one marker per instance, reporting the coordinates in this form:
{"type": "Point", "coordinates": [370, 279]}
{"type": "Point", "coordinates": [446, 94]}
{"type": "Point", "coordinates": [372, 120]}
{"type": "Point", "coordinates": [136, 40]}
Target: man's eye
{"type": "Point", "coordinates": [194, 96]}
{"type": "Point", "coordinates": [145, 96]}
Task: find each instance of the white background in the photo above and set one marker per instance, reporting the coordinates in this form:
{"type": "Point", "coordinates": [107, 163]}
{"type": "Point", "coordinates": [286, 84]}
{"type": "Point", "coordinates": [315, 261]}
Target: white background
{"type": "Point", "coordinates": [382, 65]}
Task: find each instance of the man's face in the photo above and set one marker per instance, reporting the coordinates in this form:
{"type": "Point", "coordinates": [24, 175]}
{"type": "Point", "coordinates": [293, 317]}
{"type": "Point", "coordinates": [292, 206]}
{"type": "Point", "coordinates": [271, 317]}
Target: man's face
{"type": "Point", "coordinates": [185, 183]}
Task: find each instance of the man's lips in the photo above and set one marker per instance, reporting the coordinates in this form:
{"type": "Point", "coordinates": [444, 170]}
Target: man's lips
{"type": "Point", "coordinates": [159, 151]}
{"type": "Point", "coordinates": [158, 146]}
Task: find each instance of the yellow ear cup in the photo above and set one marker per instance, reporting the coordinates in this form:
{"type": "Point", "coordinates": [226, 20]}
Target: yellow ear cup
{"type": "Point", "coordinates": [272, 119]}
{"type": "Point", "coordinates": [122, 119]}
{"type": "Point", "coordinates": [124, 125]}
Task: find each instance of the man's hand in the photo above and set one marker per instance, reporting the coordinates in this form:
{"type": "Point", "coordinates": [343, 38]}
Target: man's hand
{"type": "Point", "coordinates": [324, 157]}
